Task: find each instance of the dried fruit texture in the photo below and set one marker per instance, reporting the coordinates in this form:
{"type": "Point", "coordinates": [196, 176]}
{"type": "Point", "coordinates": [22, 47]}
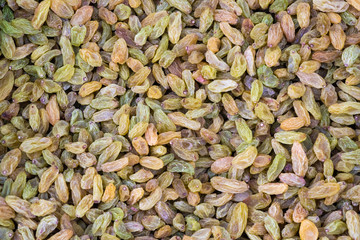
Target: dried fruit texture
{"type": "Point", "coordinates": [238, 220]}
{"type": "Point", "coordinates": [351, 108]}
{"type": "Point", "coordinates": [48, 178]}
{"type": "Point", "coordinates": [7, 83]}
{"type": "Point", "coordinates": [10, 162]}
{"type": "Point", "coordinates": [323, 190]}
{"type": "Point", "coordinates": [322, 148]}
{"type": "Point", "coordinates": [228, 185]}
{"type": "Point", "coordinates": [273, 188]}
{"type": "Point", "coordinates": [312, 79]}
{"type": "Point", "coordinates": [353, 224]}
{"type": "Point", "coordinates": [292, 123]}
{"type": "Point", "coordinates": [115, 166]}
{"type": "Point", "coordinates": [308, 230]}
{"type": "Point", "coordinates": [299, 159]}
{"type": "Point", "coordinates": [275, 35]}
{"type": "Point", "coordinates": [40, 14]}
{"type": "Point", "coordinates": [331, 6]}
{"type": "Point", "coordinates": [89, 88]}
{"type": "Point", "coordinates": [82, 15]}
{"type": "Point", "coordinates": [179, 119]}
{"type": "Point", "coordinates": [337, 36]}
{"type": "Point", "coordinates": [245, 159]}
{"type": "Point", "coordinates": [234, 35]}
{"type": "Point", "coordinates": [272, 227]}
{"type": "Point", "coordinates": [288, 27]}
{"type": "Point", "coordinates": [303, 14]}
{"type": "Point", "coordinates": [120, 51]}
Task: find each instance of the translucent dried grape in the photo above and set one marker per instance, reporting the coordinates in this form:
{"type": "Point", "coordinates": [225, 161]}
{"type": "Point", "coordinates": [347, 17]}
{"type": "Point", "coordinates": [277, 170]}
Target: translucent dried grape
{"type": "Point", "coordinates": [272, 227]}
{"type": "Point", "coordinates": [238, 220]}
{"type": "Point", "coordinates": [276, 167]}
{"type": "Point", "coordinates": [308, 230]}
{"type": "Point", "coordinates": [98, 108]}
{"type": "Point", "coordinates": [228, 185]}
